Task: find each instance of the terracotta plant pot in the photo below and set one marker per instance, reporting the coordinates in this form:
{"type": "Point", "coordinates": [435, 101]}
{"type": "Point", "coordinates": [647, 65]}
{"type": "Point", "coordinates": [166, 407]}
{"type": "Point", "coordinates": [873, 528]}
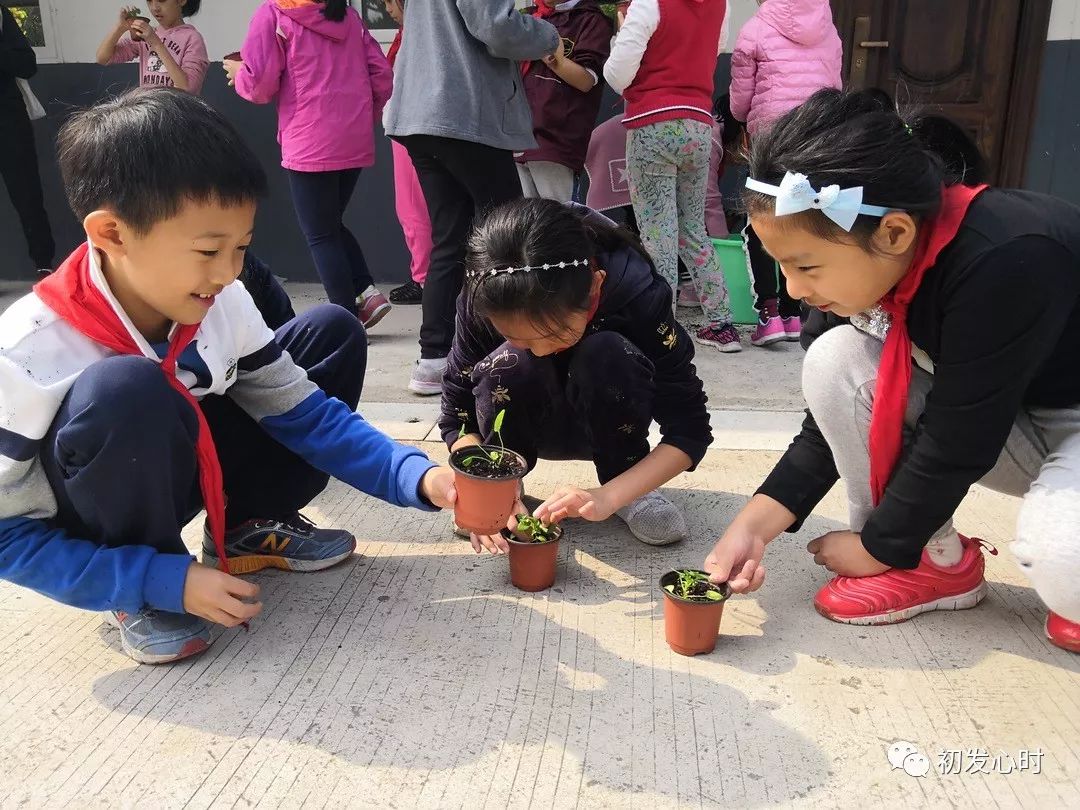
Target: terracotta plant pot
{"type": "Point", "coordinates": [485, 503]}
{"type": "Point", "coordinates": [532, 565]}
{"type": "Point", "coordinates": [690, 626]}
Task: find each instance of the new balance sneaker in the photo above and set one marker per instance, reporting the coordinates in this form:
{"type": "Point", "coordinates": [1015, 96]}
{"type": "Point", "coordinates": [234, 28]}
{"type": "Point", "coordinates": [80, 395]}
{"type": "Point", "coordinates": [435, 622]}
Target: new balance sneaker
{"type": "Point", "coordinates": [768, 332]}
{"type": "Point", "coordinates": [1063, 633]}
{"type": "Point", "coordinates": [427, 377]}
{"type": "Point", "coordinates": [900, 594]}
{"type": "Point", "coordinates": [792, 328]}
{"type": "Point", "coordinates": [409, 293]}
{"type": "Point", "coordinates": [719, 336]}
{"type": "Point", "coordinates": [654, 520]}
{"type": "Point", "coordinates": [372, 307]}
{"type": "Point", "coordinates": [156, 637]}
{"type": "Point", "coordinates": [294, 544]}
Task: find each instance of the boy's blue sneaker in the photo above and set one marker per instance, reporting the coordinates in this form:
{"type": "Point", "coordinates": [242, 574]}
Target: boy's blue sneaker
{"type": "Point", "coordinates": [156, 637]}
{"type": "Point", "coordinates": [293, 544]}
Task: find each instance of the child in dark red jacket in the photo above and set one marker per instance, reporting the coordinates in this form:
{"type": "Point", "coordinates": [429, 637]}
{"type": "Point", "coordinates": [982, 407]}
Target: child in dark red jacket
{"type": "Point", "coordinates": [564, 92]}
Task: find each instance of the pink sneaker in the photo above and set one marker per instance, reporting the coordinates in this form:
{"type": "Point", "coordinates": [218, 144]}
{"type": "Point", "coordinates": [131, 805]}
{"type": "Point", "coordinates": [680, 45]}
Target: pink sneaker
{"type": "Point", "coordinates": [792, 328]}
{"type": "Point", "coordinates": [899, 594]}
{"type": "Point", "coordinates": [719, 336]}
{"type": "Point", "coordinates": [373, 307]}
{"type": "Point", "coordinates": [768, 332]}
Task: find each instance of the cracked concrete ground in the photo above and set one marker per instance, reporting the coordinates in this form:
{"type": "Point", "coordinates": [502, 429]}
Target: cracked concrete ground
{"type": "Point", "coordinates": [415, 675]}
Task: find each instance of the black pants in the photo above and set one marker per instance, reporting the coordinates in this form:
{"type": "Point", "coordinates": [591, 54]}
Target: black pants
{"type": "Point", "coordinates": [19, 168]}
{"type": "Point", "coordinates": [320, 200]}
{"type": "Point", "coordinates": [769, 282]}
{"type": "Point", "coordinates": [593, 402]}
{"type": "Point", "coordinates": [460, 180]}
{"type": "Point", "coordinates": [120, 454]}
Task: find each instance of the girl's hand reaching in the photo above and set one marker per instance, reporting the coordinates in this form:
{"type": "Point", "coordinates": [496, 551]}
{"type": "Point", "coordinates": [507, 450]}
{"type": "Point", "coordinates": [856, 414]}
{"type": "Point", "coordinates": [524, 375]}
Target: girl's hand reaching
{"type": "Point", "coordinates": [736, 560]}
{"type": "Point", "coordinates": [232, 67]}
{"type": "Point", "coordinates": [571, 502]}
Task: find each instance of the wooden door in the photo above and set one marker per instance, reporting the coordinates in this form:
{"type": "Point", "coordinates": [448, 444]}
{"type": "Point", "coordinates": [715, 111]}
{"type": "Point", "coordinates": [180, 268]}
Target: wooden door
{"type": "Point", "coordinates": [975, 61]}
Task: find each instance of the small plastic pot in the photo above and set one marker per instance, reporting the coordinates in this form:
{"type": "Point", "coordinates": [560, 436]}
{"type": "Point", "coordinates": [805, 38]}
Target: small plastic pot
{"type": "Point", "coordinates": [532, 565]}
{"type": "Point", "coordinates": [484, 505]}
{"type": "Point", "coordinates": [691, 626]}
{"type": "Point", "coordinates": [231, 57]}
{"type": "Point", "coordinates": [134, 36]}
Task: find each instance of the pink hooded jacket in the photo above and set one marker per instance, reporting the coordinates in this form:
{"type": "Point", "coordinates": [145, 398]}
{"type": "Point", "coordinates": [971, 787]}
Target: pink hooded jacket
{"type": "Point", "coordinates": [330, 79]}
{"type": "Point", "coordinates": [786, 52]}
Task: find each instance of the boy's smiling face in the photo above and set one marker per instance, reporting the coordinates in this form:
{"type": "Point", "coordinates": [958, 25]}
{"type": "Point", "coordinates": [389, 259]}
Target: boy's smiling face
{"type": "Point", "coordinates": [171, 273]}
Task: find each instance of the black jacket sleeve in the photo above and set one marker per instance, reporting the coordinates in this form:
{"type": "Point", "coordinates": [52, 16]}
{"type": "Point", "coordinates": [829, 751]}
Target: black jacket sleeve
{"type": "Point", "coordinates": [679, 406]}
{"type": "Point", "coordinates": [474, 339]}
{"type": "Point", "coordinates": [270, 297]}
{"type": "Point", "coordinates": [16, 56]}
{"type": "Point", "coordinates": [1001, 320]}
{"type": "Point", "coordinates": [806, 472]}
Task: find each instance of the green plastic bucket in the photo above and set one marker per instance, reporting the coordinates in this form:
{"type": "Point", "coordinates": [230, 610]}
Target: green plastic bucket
{"type": "Point", "coordinates": [733, 258]}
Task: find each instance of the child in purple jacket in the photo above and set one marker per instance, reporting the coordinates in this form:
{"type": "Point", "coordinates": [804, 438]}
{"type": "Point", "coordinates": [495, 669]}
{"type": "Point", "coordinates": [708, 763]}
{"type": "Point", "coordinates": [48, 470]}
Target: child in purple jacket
{"type": "Point", "coordinates": [564, 92]}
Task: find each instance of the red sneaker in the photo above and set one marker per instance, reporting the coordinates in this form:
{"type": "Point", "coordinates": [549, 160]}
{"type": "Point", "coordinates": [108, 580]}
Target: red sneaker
{"type": "Point", "coordinates": [899, 594]}
{"type": "Point", "coordinates": [1063, 633]}
{"type": "Point", "coordinates": [372, 307]}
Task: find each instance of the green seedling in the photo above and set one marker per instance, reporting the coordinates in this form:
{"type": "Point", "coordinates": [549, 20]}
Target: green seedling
{"type": "Point", "coordinates": [535, 529]}
{"type": "Point", "coordinates": [695, 586]}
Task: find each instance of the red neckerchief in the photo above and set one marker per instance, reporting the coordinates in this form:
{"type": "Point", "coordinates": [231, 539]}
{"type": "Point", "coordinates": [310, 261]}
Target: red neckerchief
{"type": "Point", "coordinates": [71, 294]}
{"type": "Point", "coordinates": [395, 46]}
{"type": "Point", "coordinates": [541, 10]}
{"type": "Point", "coordinates": [894, 370]}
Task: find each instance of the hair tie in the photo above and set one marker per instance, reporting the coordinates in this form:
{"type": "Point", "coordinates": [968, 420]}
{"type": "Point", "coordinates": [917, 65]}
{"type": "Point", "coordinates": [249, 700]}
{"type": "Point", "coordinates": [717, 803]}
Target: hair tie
{"type": "Point", "coordinates": [795, 195]}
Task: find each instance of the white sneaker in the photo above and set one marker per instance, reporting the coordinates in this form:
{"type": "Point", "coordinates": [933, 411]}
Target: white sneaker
{"type": "Point", "coordinates": [427, 377]}
{"type": "Point", "coordinates": [654, 520]}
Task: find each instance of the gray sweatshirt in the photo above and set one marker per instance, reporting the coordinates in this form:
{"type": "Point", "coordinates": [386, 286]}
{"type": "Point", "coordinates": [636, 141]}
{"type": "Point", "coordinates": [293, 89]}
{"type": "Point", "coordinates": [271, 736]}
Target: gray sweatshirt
{"type": "Point", "coordinates": [458, 74]}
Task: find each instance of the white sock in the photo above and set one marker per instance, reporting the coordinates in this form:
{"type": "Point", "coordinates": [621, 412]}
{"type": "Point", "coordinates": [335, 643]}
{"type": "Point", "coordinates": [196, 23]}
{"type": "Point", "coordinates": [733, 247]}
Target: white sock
{"type": "Point", "coordinates": [945, 550]}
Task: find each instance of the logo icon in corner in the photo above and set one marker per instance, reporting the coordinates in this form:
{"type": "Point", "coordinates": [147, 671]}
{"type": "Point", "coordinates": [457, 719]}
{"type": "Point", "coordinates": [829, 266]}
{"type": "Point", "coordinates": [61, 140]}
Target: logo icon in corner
{"type": "Point", "coordinates": [906, 755]}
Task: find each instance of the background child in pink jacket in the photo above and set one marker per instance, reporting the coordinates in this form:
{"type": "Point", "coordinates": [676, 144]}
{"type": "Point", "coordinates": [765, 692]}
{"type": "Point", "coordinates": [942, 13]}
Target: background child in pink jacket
{"type": "Point", "coordinates": [172, 54]}
{"type": "Point", "coordinates": [331, 81]}
{"type": "Point", "coordinates": [784, 54]}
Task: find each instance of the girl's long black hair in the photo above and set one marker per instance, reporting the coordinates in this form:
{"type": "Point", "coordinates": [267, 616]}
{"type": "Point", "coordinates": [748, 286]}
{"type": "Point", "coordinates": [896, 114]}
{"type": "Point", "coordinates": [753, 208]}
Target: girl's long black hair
{"type": "Point", "coordinates": [335, 9]}
{"type": "Point", "coordinates": [853, 139]}
{"type": "Point", "coordinates": [534, 232]}
{"type": "Point", "coordinates": [190, 8]}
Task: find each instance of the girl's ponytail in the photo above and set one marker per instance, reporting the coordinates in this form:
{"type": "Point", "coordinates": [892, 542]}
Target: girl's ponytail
{"type": "Point", "coordinates": [334, 10]}
{"type": "Point", "coordinates": [852, 139]}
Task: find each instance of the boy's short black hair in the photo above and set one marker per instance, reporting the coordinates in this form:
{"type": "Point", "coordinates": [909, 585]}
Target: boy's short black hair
{"type": "Point", "coordinates": [191, 8]}
{"type": "Point", "coordinates": [146, 153]}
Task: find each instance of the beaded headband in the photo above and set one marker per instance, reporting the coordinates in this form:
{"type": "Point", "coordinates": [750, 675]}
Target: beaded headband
{"type": "Point", "coordinates": [509, 271]}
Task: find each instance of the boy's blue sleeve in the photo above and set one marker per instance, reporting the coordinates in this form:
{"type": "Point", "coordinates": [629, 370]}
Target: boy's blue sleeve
{"type": "Point", "coordinates": [328, 435]}
{"type": "Point", "coordinates": [87, 575]}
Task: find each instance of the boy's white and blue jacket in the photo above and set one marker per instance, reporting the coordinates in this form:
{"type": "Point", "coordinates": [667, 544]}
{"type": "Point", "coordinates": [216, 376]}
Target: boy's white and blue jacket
{"type": "Point", "coordinates": [233, 352]}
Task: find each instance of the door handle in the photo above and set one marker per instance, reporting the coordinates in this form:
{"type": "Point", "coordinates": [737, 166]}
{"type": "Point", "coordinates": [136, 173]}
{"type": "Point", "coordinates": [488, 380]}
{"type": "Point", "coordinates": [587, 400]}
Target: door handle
{"type": "Point", "coordinates": [860, 52]}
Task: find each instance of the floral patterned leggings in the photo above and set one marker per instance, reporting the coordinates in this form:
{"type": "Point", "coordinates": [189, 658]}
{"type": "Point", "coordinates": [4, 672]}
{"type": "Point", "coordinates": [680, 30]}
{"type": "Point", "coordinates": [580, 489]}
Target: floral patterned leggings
{"type": "Point", "coordinates": [669, 166]}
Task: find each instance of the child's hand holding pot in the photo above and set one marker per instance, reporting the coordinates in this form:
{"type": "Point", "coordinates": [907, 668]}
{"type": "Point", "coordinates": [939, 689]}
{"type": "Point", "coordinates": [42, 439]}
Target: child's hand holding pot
{"type": "Point", "coordinates": [437, 486]}
{"type": "Point", "coordinates": [570, 502]}
{"type": "Point", "coordinates": [496, 543]}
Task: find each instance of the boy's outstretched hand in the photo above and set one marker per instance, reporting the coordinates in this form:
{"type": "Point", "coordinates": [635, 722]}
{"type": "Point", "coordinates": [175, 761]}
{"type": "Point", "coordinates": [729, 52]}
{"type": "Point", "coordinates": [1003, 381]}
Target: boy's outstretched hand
{"type": "Point", "coordinates": [216, 596]}
{"type": "Point", "coordinates": [437, 486]}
